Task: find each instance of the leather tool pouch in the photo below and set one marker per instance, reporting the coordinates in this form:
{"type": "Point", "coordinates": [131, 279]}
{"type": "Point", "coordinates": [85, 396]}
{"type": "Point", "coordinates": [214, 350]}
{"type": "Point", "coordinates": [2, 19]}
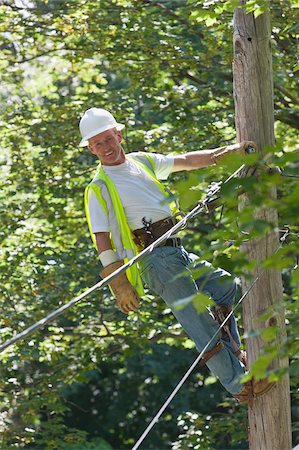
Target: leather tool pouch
{"type": "Point", "coordinates": [145, 236]}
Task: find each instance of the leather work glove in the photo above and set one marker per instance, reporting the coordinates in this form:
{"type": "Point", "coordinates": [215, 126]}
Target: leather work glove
{"type": "Point", "coordinates": [223, 152]}
{"type": "Point", "coordinates": [125, 295]}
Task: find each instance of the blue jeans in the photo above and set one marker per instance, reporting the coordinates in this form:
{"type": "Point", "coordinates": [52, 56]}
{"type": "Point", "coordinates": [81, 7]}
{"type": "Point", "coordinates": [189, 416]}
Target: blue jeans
{"type": "Point", "coordinates": [166, 271]}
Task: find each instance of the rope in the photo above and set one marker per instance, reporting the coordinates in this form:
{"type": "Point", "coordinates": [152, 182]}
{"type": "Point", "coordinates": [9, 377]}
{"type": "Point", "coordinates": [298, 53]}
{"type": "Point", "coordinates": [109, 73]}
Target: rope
{"type": "Point", "coordinates": [179, 225]}
{"type": "Point", "coordinates": [199, 357]}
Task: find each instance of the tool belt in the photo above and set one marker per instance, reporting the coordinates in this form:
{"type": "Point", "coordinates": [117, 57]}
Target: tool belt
{"type": "Point", "coordinates": [143, 237]}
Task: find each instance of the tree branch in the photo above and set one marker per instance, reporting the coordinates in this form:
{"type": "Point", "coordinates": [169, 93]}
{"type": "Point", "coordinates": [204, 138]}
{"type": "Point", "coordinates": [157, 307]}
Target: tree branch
{"type": "Point", "coordinates": [287, 117]}
{"type": "Point", "coordinates": [281, 89]}
{"type": "Point", "coordinates": [47, 52]}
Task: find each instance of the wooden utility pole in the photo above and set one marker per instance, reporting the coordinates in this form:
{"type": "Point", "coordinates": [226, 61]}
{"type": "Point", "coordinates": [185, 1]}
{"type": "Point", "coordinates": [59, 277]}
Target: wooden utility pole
{"type": "Point", "coordinates": [269, 417]}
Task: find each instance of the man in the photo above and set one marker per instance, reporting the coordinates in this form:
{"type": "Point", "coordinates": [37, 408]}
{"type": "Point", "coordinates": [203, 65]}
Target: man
{"type": "Point", "coordinates": [127, 210]}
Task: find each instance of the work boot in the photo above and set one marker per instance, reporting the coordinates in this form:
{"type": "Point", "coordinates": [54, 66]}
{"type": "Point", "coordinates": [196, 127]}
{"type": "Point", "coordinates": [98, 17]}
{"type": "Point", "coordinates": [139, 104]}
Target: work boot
{"type": "Point", "coordinates": [253, 389]}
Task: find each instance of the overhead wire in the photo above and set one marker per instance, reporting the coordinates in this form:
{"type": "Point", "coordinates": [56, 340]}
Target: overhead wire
{"type": "Point", "coordinates": [199, 357]}
{"type": "Point", "coordinates": [202, 205]}
{"type": "Point", "coordinates": [289, 175]}
{"type": "Point", "coordinates": [189, 371]}
{"type": "Point", "coordinates": [177, 227]}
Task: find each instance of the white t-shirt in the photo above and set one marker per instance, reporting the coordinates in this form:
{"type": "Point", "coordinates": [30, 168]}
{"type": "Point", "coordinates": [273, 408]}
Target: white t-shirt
{"type": "Point", "coordinates": [140, 196]}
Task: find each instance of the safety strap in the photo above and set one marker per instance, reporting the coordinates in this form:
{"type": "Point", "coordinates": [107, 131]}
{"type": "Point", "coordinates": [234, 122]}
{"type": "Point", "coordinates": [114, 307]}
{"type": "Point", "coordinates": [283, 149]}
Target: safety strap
{"type": "Point", "coordinates": [220, 313]}
{"type": "Point", "coordinates": [208, 355]}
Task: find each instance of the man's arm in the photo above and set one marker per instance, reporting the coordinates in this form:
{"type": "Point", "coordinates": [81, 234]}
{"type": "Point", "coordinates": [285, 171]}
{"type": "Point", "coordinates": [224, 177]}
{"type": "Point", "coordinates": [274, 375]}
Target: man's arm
{"type": "Point", "coordinates": [193, 160]}
{"type": "Point", "coordinates": [103, 241]}
{"type": "Point", "coordinates": [126, 296]}
{"type": "Point", "coordinates": [205, 158]}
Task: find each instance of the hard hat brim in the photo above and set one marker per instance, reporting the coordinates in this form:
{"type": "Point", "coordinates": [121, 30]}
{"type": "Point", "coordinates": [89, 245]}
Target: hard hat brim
{"type": "Point", "coordinates": [84, 141]}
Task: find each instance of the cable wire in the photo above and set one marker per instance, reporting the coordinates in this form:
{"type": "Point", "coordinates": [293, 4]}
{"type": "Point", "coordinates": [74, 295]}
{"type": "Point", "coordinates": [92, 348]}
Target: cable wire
{"type": "Point", "coordinates": [199, 357]}
{"type": "Point", "coordinates": [193, 365]}
{"type": "Point", "coordinates": [289, 175]}
{"type": "Point", "coordinates": [178, 226]}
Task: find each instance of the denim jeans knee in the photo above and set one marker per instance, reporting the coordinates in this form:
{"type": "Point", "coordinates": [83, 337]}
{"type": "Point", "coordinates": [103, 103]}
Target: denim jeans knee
{"type": "Point", "coordinates": [168, 273]}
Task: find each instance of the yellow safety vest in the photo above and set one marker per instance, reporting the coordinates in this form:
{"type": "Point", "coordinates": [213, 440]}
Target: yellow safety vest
{"type": "Point", "coordinates": [121, 235]}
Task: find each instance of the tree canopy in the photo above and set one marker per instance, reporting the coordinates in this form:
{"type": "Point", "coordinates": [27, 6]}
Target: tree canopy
{"type": "Point", "coordinates": [94, 377]}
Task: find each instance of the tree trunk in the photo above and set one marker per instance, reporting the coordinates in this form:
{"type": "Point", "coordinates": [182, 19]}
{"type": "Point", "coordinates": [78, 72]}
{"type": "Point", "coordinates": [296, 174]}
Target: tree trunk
{"type": "Point", "coordinates": [269, 417]}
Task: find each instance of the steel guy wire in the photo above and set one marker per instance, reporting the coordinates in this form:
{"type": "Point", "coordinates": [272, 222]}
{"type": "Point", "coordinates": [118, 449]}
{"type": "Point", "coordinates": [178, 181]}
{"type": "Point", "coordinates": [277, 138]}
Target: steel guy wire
{"type": "Point", "coordinates": [189, 371]}
{"type": "Point", "coordinates": [199, 357]}
{"type": "Point", "coordinates": [289, 175]}
{"type": "Point", "coordinates": [178, 226]}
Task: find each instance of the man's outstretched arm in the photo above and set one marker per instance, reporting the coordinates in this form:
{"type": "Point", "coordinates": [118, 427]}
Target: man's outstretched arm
{"type": "Point", "coordinates": [193, 160]}
{"type": "Point", "coordinates": [205, 158]}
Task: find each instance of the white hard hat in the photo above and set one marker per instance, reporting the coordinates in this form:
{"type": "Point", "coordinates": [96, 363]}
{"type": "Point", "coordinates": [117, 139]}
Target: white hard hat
{"type": "Point", "coordinates": [95, 121]}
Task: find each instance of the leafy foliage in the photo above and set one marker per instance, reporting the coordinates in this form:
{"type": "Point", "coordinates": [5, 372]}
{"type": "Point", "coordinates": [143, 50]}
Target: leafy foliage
{"type": "Point", "coordinates": [93, 378]}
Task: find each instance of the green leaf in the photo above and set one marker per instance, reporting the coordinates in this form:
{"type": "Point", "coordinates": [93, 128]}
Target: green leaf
{"type": "Point", "coordinates": [259, 367]}
{"type": "Point", "coordinates": [258, 12]}
{"type": "Point", "coordinates": [269, 334]}
{"type": "Point", "coordinates": [211, 21]}
{"type": "Point", "coordinates": [201, 302]}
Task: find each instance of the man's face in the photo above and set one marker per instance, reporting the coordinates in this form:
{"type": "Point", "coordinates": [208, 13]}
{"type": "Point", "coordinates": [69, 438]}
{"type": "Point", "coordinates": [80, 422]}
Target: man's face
{"type": "Point", "coordinates": [106, 146]}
